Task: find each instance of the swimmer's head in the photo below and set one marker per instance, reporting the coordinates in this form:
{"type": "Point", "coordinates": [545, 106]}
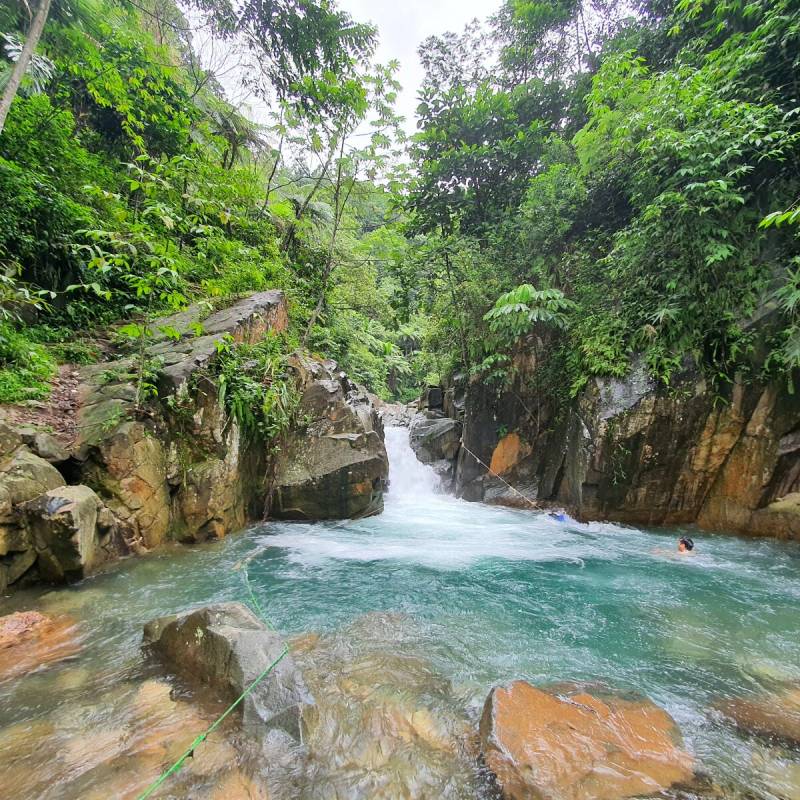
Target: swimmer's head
{"type": "Point", "coordinates": [685, 544]}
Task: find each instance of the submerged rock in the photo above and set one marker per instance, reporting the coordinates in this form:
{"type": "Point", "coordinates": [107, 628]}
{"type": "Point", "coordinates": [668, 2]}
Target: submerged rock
{"type": "Point", "coordinates": [579, 747]}
{"type": "Point", "coordinates": [337, 467]}
{"type": "Point", "coordinates": [226, 647]}
{"type": "Point", "coordinates": [29, 640]}
{"type": "Point", "coordinates": [387, 724]}
{"type": "Point", "coordinates": [773, 715]}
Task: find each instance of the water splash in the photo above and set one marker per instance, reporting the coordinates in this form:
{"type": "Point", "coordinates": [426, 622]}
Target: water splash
{"type": "Point", "coordinates": [409, 478]}
{"type": "Point", "coordinates": [477, 594]}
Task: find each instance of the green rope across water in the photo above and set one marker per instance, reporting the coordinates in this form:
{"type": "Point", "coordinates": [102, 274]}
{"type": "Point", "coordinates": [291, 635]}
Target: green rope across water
{"type": "Point", "coordinates": [189, 753]}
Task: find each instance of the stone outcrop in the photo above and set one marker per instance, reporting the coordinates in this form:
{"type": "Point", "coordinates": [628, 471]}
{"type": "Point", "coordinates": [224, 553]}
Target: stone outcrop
{"type": "Point", "coordinates": [227, 647]}
{"type": "Point", "coordinates": [185, 472]}
{"type": "Point", "coordinates": [434, 437]}
{"type": "Point", "coordinates": [248, 320]}
{"type": "Point", "coordinates": [178, 467]}
{"type": "Point", "coordinates": [337, 466]}
{"type": "Point", "coordinates": [579, 746]}
{"type": "Point", "coordinates": [48, 530]}
{"type": "Point", "coordinates": [436, 440]}
{"type": "Point", "coordinates": [632, 451]}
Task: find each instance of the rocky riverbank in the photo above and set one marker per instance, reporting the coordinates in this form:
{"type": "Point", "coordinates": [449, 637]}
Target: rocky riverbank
{"type": "Point", "coordinates": [624, 450]}
{"type": "Point", "coordinates": [360, 712]}
{"type": "Point", "coordinates": [126, 477]}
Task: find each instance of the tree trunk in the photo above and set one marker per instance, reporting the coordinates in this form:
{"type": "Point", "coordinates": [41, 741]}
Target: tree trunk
{"type": "Point", "coordinates": [21, 67]}
{"type": "Point", "coordinates": [461, 335]}
{"type": "Point", "coordinates": [338, 212]}
{"type": "Point", "coordinates": [288, 237]}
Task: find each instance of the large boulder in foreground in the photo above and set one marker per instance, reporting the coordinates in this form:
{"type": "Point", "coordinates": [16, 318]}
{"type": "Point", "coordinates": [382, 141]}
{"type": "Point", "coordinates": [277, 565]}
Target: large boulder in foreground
{"type": "Point", "coordinates": [226, 647]}
{"type": "Point", "coordinates": [579, 747]}
{"type": "Point", "coordinates": [336, 468]}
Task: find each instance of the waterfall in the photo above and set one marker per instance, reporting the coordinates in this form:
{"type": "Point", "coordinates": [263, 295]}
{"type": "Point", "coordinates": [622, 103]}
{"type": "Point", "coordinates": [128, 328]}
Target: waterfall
{"type": "Point", "coordinates": [409, 478]}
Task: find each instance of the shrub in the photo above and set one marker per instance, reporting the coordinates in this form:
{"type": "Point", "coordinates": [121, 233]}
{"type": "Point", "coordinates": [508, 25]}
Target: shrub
{"type": "Point", "coordinates": [26, 367]}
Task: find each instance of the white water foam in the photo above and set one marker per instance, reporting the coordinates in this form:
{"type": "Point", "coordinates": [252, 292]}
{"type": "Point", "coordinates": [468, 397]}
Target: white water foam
{"type": "Point", "coordinates": [409, 478]}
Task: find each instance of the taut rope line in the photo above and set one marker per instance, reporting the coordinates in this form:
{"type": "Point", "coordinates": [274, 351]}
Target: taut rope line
{"type": "Point", "coordinates": [530, 502]}
{"type": "Point", "coordinates": [189, 752]}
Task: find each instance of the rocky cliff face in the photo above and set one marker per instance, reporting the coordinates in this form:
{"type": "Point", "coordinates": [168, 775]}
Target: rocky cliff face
{"type": "Point", "coordinates": [336, 466]}
{"type": "Point", "coordinates": [181, 468]}
{"type": "Point", "coordinates": [631, 451]}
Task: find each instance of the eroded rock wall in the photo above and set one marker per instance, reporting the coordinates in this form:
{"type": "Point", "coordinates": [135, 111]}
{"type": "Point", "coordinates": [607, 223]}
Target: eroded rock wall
{"type": "Point", "coordinates": [179, 467]}
{"type": "Point", "coordinates": [182, 471]}
{"type": "Point", "coordinates": [631, 451]}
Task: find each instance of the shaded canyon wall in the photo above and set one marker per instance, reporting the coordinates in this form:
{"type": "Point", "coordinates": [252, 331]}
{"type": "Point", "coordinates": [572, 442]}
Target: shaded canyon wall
{"type": "Point", "coordinates": [631, 451]}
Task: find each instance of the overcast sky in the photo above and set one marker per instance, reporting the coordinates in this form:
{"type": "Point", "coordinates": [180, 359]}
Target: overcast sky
{"type": "Point", "coordinates": [403, 24]}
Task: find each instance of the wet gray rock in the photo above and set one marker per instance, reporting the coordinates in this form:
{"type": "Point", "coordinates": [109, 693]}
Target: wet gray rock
{"type": "Point", "coordinates": [337, 467]}
{"type": "Point", "coordinates": [225, 646]}
{"type": "Point", "coordinates": [435, 437]}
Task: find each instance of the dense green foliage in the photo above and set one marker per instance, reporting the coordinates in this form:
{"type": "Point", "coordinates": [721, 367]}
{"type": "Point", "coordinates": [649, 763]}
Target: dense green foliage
{"type": "Point", "coordinates": [129, 186]}
{"type": "Point", "coordinates": [589, 183]}
{"type": "Point", "coordinates": [629, 172]}
{"type": "Point", "coordinates": [255, 388]}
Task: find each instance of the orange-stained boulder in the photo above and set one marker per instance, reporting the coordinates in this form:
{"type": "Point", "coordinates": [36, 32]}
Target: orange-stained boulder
{"type": "Point", "coordinates": [771, 715]}
{"type": "Point", "coordinates": [579, 747]}
{"type": "Point", "coordinates": [29, 640]}
{"type": "Point", "coordinates": [510, 450]}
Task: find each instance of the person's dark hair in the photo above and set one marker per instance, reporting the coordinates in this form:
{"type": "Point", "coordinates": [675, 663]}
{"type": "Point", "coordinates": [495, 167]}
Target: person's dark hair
{"type": "Point", "coordinates": [687, 542]}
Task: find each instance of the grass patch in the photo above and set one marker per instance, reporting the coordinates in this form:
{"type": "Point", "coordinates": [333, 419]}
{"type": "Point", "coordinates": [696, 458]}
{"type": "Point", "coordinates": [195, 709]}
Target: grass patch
{"type": "Point", "coordinates": [26, 367]}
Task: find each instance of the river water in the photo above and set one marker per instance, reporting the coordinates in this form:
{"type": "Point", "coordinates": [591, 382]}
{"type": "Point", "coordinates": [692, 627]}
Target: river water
{"type": "Point", "coordinates": [466, 595]}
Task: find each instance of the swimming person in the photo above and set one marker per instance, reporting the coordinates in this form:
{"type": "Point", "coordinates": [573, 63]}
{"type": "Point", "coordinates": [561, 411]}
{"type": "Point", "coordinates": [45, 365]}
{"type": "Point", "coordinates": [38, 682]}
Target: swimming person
{"type": "Point", "coordinates": [685, 545]}
{"type": "Point", "coordinates": [685, 548]}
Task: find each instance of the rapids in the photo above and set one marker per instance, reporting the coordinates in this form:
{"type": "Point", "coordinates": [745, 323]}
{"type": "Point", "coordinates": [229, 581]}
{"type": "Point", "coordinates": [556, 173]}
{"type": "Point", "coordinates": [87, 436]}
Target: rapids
{"type": "Point", "coordinates": [447, 598]}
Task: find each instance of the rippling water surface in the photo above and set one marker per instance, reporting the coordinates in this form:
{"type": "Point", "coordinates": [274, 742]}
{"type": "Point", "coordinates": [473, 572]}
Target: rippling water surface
{"type": "Point", "coordinates": [492, 594]}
